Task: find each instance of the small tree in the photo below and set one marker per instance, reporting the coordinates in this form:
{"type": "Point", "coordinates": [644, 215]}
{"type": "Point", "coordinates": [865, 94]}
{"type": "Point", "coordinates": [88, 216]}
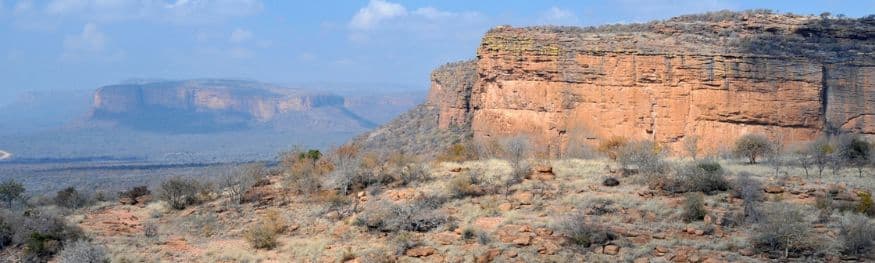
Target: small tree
{"type": "Point", "coordinates": [70, 198]}
{"type": "Point", "coordinates": [855, 151]}
{"type": "Point", "coordinates": [857, 234]}
{"type": "Point", "coordinates": [821, 152]}
{"type": "Point", "coordinates": [179, 192]}
{"type": "Point", "coordinates": [784, 228]}
{"type": "Point", "coordinates": [752, 146]}
{"type": "Point", "coordinates": [694, 207]}
{"type": "Point", "coordinates": [10, 190]}
{"type": "Point", "coordinates": [803, 158]}
{"type": "Point", "coordinates": [750, 191]}
{"type": "Point", "coordinates": [238, 182]}
{"type": "Point", "coordinates": [691, 145]}
{"type": "Point", "coordinates": [516, 152]}
{"type": "Point", "coordinates": [645, 155]}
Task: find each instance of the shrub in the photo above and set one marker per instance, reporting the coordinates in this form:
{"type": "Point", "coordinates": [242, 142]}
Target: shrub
{"type": "Point", "coordinates": [463, 185]}
{"type": "Point", "coordinates": [10, 190]}
{"type": "Point", "coordinates": [180, 192]}
{"type": "Point", "coordinates": [583, 233]}
{"type": "Point", "coordinates": [750, 191]}
{"type": "Point", "coordinates": [263, 235]}
{"type": "Point", "coordinates": [694, 207]}
{"type": "Point", "coordinates": [696, 178]}
{"type": "Point", "coordinates": [41, 232]}
{"type": "Point", "coordinates": [857, 234]}
{"type": "Point", "coordinates": [150, 229]}
{"type": "Point", "coordinates": [611, 147]}
{"type": "Point", "coordinates": [458, 152]}
{"type": "Point", "coordinates": [821, 153]}
{"type": "Point", "coordinates": [691, 145]}
{"type": "Point", "coordinates": [238, 182]}
{"type": "Point", "coordinates": [135, 192]}
{"type": "Point", "coordinates": [854, 150]}
{"type": "Point", "coordinates": [302, 172]}
{"type": "Point", "coordinates": [420, 215]}
{"type": "Point", "coordinates": [70, 198]}
{"type": "Point", "coordinates": [646, 156]}
{"type": "Point", "coordinates": [783, 229]}
{"type": "Point", "coordinates": [865, 205]}
{"type": "Point", "coordinates": [82, 251]}
{"type": "Point", "coordinates": [752, 146]}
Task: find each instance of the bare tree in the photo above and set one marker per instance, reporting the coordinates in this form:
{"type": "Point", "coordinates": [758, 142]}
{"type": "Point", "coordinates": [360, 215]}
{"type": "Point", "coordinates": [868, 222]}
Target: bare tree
{"type": "Point", "coordinates": [691, 145]}
{"type": "Point", "coordinates": [516, 151]}
{"type": "Point", "coordinates": [821, 150]}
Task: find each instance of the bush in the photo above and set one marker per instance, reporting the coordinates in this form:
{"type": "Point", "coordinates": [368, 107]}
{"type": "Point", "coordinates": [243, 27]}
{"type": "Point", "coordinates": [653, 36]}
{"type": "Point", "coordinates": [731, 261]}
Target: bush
{"type": "Point", "coordinates": [82, 252]}
{"type": "Point", "coordinates": [583, 233]}
{"type": "Point", "coordinates": [42, 233]}
{"type": "Point", "coordinates": [646, 156]}
{"type": "Point", "coordinates": [857, 234]}
{"type": "Point", "coordinates": [694, 207]}
{"type": "Point", "coordinates": [180, 192]}
{"type": "Point", "coordinates": [750, 191]}
{"type": "Point", "coordinates": [238, 182]}
{"type": "Point", "coordinates": [263, 235]}
{"type": "Point", "coordinates": [696, 178]}
{"type": "Point", "coordinates": [784, 229]}
{"type": "Point", "coordinates": [70, 198]}
{"type": "Point", "coordinates": [10, 190]}
{"type": "Point", "coordinates": [821, 153]}
{"type": "Point", "coordinates": [855, 151]}
{"type": "Point", "coordinates": [135, 192]}
{"type": "Point", "coordinates": [865, 205]}
{"type": "Point", "coordinates": [421, 215]}
{"type": "Point", "coordinates": [752, 146]}
{"type": "Point", "coordinates": [463, 185]}
{"type": "Point", "coordinates": [302, 172]}
{"type": "Point", "coordinates": [611, 147]}
{"type": "Point", "coordinates": [458, 152]}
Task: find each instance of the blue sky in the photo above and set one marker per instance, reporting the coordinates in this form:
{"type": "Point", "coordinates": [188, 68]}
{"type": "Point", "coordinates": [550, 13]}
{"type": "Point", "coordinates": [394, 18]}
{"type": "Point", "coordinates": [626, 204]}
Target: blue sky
{"type": "Point", "coordinates": [83, 44]}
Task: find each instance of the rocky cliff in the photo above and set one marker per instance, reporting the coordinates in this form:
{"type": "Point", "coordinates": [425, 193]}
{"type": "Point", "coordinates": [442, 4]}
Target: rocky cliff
{"type": "Point", "coordinates": [718, 75]}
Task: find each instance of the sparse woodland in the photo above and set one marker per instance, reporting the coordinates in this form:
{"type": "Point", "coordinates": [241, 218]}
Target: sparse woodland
{"type": "Point", "coordinates": [483, 202]}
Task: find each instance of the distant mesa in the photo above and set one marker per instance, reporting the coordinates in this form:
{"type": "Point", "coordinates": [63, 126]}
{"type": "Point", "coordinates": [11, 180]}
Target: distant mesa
{"type": "Point", "coordinates": [213, 105]}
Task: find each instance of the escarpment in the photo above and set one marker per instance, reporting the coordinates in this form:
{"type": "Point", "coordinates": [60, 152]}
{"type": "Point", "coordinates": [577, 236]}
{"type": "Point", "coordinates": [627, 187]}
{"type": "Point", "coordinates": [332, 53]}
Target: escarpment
{"type": "Point", "coordinates": [717, 76]}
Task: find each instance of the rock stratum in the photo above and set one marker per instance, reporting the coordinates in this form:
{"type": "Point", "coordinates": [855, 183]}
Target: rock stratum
{"type": "Point", "coordinates": [717, 76]}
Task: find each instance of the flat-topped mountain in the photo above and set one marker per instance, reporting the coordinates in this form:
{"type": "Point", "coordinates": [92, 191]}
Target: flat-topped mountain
{"type": "Point", "coordinates": [717, 75]}
{"type": "Point", "coordinates": [216, 105]}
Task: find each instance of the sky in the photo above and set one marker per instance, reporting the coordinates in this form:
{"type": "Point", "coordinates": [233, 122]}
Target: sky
{"type": "Point", "coordinates": [83, 44]}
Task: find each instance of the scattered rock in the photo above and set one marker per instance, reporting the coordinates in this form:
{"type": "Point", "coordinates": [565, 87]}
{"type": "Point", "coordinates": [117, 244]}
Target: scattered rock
{"type": "Point", "coordinates": [524, 198]}
{"type": "Point", "coordinates": [612, 249]}
{"type": "Point", "coordinates": [456, 169]}
{"type": "Point", "coordinates": [641, 260]}
{"type": "Point", "coordinates": [774, 189]}
{"type": "Point", "coordinates": [446, 238]}
{"type": "Point", "coordinates": [611, 182]}
{"type": "Point", "coordinates": [543, 168]}
{"type": "Point", "coordinates": [504, 207]}
{"type": "Point", "coordinates": [488, 256]}
{"type": "Point", "coordinates": [660, 250]}
{"type": "Point", "coordinates": [419, 252]}
{"type": "Point", "coordinates": [746, 252]}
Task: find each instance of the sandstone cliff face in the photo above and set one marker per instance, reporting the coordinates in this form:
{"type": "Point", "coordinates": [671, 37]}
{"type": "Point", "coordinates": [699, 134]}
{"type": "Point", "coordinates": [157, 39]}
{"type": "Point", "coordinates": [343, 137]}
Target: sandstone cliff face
{"type": "Point", "coordinates": [717, 76]}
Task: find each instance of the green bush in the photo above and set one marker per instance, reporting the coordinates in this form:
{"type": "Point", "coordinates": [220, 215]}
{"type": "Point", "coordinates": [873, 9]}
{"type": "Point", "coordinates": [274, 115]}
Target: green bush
{"type": "Point", "coordinates": [695, 178]}
{"type": "Point", "coordinates": [261, 236]}
{"type": "Point", "coordinates": [70, 198]}
{"type": "Point", "coordinates": [10, 190]}
{"type": "Point", "coordinates": [752, 146]}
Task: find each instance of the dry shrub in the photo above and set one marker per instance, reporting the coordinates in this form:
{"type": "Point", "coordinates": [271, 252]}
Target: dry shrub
{"type": "Point", "coordinates": [857, 234]}
{"type": "Point", "coordinates": [82, 251]}
{"type": "Point", "coordinates": [784, 229]}
{"type": "Point", "coordinates": [303, 172]}
{"type": "Point", "coordinates": [694, 178]}
{"type": "Point", "coordinates": [694, 207]}
{"type": "Point", "coordinates": [464, 185]}
{"type": "Point", "coordinates": [645, 156]}
{"type": "Point", "coordinates": [420, 215]}
{"type": "Point", "coordinates": [583, 233]}
{"type": "Point", "coordinates": [611, 147]}
{"type": "Point", "coordinates": [458, 152]}
{"type": "Point", "coordinates": [181, 192]}
{"type": "Point", "coordinates": [263, 235]}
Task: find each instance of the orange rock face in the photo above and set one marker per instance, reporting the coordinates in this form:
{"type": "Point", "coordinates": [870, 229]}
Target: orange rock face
{"type": "Point", "coordinates": [562, 86]}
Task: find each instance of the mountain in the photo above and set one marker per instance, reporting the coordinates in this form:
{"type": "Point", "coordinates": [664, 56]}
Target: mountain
{"type": "Point", "coordinates": [717, 76]}
{"type": "Point", "coordinates": [195, 120]}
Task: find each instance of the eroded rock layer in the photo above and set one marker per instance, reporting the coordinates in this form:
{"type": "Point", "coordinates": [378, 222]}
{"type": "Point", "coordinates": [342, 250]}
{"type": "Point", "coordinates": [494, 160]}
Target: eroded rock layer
{"type": "Point", "coordinates": [717, 76]}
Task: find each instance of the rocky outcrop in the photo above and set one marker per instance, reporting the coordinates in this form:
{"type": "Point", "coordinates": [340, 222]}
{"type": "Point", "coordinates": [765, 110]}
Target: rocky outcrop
{"type": "Point", "coordinates": [718, 76]}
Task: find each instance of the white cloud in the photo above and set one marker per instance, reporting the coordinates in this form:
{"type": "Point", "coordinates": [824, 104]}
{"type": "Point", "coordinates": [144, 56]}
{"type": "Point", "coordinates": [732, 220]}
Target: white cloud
{"type": "Point", "coordinates": [556, 16]}
{"type": "Point", "coordinates": [375, 12]}
{"type": "Point", "coordinates": [90, 40]}
{"type": "Point", "coordinates": [179, 11]}
{"type": "Point", "coordinates": [240, 35]}
{"type": "Point", "coordinates": [432, 13]}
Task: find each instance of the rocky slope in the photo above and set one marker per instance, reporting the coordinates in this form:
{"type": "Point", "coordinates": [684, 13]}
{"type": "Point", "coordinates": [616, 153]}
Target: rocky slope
{"type": "Point", "coordinates": [717, 75]}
